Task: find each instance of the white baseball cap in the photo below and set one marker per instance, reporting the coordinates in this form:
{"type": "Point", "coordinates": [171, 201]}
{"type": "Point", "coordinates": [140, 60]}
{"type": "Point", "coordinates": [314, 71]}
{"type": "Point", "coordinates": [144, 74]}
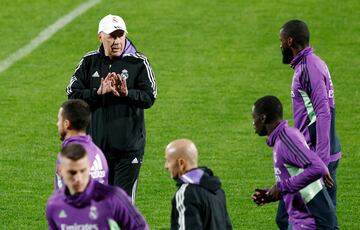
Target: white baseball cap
{"type": "Point", "coordinates": [110, 23]}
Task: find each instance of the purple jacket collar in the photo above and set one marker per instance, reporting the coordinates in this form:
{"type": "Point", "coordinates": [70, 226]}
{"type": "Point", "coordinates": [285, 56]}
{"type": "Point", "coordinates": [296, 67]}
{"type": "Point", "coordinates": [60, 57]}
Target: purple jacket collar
{"type": "Point", "coordinates": [303, 53]}
{"type": "Point", "coordinates": [275, 133]}
{"type": "Point", "coordinates": [78, 138]}
{"type": "Point", "coordinates": [193, 176]}
{"type": "Point", "coordinates": [78, 199]}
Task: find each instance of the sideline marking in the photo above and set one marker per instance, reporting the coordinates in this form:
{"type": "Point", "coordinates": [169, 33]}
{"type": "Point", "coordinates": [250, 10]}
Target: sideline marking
{"type": "Point", "coordinates": [45, 35]}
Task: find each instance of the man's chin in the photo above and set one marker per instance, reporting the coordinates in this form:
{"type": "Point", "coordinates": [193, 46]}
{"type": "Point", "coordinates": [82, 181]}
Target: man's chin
{"type": "Point", "coordinates": [286, 61]}
{"type": "Point", "coordinates": [116, 52]}
{"type": "Point", "coordinates": [287, 56]}
{"type": "Point", "coordinates": [79, 190]}
{"type": "Point", "coordinates": [262, 133]}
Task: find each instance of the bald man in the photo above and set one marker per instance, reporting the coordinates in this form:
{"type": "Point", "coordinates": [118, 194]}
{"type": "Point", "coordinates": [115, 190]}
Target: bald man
{"type": "Point", "coordinates": [199, 203]}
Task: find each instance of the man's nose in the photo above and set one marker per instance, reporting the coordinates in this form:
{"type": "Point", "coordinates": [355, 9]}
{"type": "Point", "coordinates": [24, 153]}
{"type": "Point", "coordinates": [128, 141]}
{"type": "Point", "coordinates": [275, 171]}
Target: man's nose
{"type": "Point", "coordinates": [77, 177]}
{"type": "Point", "coordinates": [117, 39]}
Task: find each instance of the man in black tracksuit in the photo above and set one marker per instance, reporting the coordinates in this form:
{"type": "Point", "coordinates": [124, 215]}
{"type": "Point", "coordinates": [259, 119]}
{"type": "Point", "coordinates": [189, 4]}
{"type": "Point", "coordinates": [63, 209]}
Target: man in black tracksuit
{"type": "Point", "coordinates": [199, 203]}
{"type": "Point", "coordinates": [118, 84]}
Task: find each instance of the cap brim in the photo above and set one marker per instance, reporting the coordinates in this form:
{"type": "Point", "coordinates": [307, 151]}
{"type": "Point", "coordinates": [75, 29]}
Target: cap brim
{"type": "Point", "coordinates": [109, 31]}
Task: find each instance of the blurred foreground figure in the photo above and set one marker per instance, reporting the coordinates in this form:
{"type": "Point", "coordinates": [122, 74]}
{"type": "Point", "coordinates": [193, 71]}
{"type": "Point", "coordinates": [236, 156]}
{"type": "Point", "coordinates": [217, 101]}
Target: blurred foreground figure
{"type": "Point", "coordinates": [84, 203]}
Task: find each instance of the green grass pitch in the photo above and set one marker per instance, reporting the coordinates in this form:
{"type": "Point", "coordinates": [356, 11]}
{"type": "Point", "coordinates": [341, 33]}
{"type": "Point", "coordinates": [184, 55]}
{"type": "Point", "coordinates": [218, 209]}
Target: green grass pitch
{"type": "Point", "coordinates": [212, 60]}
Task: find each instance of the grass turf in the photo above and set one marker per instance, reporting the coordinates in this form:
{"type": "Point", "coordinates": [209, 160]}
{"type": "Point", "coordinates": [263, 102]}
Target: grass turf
{"type": "Point", "coordinates": [212, 60]}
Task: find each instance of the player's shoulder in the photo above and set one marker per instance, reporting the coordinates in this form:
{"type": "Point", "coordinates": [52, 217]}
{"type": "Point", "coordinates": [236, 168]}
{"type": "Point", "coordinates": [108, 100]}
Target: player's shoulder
{"type": "Point", "coordinates": [100, 188]}
{"type": "Point", "coordinates": [291, 137]}
{"type": "Point", "coordinates": [136, 57]}
{"type": "Point", "coordinates": [194, 194]}
{"type": "Point", "coordinates": [188, 190]}
{"type": "Point", "coordinates": [313, 58]}
{"type": "Point", "coordinates": [104, 189]}
{"type": "Point", "coordinates": [315, 64]}
{"type": "Point", "coordinates": [55, 200]}
{"type": "Point", "coordinates": [288, 132]}
{"type": "Point", "coordinates": [111, 193]}
{"type": "Point", "coordinates": [91, 54]}
{"type": "Point", "coordinates": [86, 142]}
{"type": "Point", "coordinates": [291, 130]}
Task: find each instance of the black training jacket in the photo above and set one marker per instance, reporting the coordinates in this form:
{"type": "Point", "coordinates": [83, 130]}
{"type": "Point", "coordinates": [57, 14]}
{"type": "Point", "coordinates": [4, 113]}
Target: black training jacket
{"type": "Point", "coordinates": [199, 203]}
{"type": "Point", "coordinates": [117, 123]}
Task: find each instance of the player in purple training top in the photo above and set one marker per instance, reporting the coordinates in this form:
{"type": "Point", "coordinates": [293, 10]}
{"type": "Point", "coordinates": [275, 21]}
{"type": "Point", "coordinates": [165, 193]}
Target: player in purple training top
{"type": "Point", "coordinates": [84, 203]}
{"type": "Point", "coordinates": [313, 98]}
{"type": "Point", "coordinates": [298, 171]}
{"type": "Point", "coordinates": [73, 118]}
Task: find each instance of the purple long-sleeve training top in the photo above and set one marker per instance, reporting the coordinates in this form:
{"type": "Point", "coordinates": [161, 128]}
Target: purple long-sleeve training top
{"type": "Point", "coordinates": [99, 170]}
{"type": "Point", "coordinates": [98, 207]}
{"type": "Point", "coordinates": [313, 104]}
{"type": "Point", "coordinates": [298, 172]}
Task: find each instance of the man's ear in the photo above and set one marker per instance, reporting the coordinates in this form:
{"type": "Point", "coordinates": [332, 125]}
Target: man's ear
{"type": "Point", "coordinates": [99, 37]}
{"type": "Point", "coordinates": [263, 118]}
{"type": "Point", "coordinates": [60, 170]}
{"type": "Point", "coordinates": [182, 165]}
{"type": "Point", "coordinates": [290, 42]}
{"type": "Point", "coordinates": [67, 124]}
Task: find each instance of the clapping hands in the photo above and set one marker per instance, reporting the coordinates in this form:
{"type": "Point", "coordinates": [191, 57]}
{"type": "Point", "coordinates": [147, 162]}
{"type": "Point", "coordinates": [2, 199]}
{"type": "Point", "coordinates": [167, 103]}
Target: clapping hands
{"type": "Point", "coordinates": [115, 84]}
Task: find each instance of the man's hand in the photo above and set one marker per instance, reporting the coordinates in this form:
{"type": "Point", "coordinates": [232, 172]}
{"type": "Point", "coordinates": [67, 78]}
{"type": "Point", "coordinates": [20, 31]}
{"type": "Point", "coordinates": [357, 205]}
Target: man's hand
{"type": "Point", "coordinates": [107, 85]}
{"type": "Point", "coordinates": [121, 85]}
{"type": "Point", "coordinates": [114, 83]}
{"type": "Point", "coordinates": [329, 182]}
{"type": "Point", "coordinates": [260, 196]}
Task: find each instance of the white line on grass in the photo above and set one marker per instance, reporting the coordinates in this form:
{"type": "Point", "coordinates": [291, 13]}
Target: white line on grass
{"type": "Point", "coordinates": [45, 35]}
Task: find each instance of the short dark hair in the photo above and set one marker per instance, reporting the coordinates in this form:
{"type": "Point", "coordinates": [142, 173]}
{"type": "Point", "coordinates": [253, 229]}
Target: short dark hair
{"type": "Point", "coordinates": [77, 112]}
{"type": "Point", "coordinates": [73, 151]}
{"type": "Point", "coordinates": [298, 30]}
{"type": "Point", "coordinates": [270, 106]}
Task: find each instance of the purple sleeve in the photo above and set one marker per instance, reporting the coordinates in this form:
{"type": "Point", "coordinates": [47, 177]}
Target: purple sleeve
{"type": "Point", "coordinates": [125, 214]}
{"type": "Point", "coordinates": [296, 153]}
{"type": "Point", "coordinates": [51, 222]}
{"type": "Point", "coordinates": [320, 102]}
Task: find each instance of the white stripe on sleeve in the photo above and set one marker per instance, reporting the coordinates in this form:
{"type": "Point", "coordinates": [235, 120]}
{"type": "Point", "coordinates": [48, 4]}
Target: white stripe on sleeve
{"type": "Point", "coordinates": [149, 71]}
{"type": "Point", "coordinates": [180, 205]}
